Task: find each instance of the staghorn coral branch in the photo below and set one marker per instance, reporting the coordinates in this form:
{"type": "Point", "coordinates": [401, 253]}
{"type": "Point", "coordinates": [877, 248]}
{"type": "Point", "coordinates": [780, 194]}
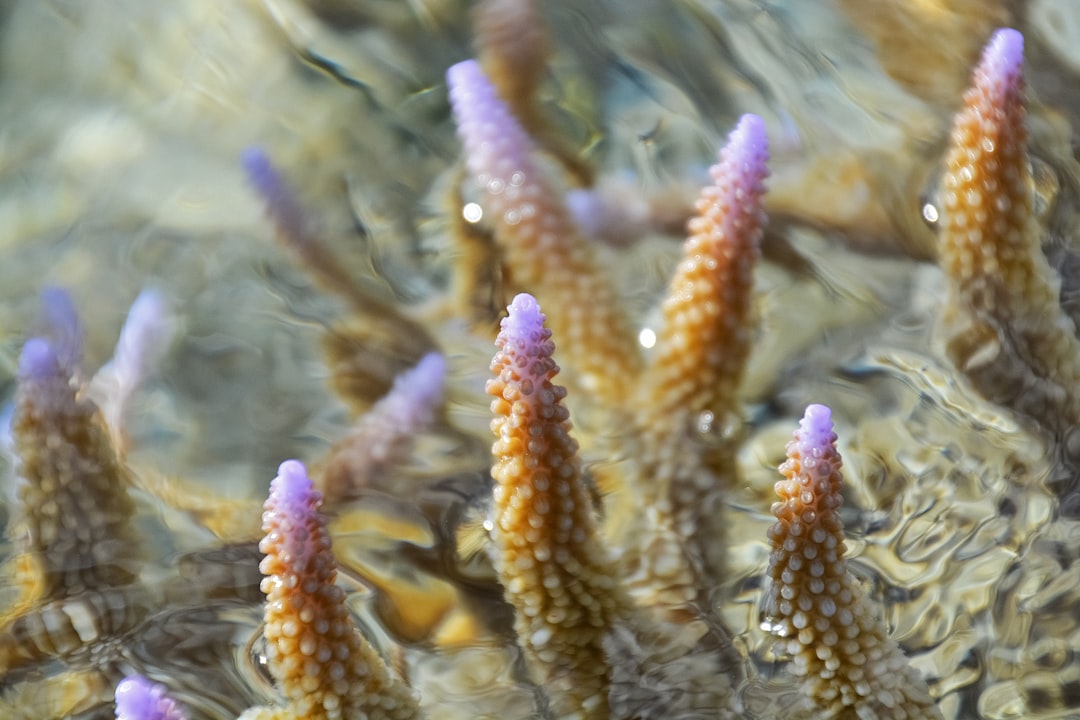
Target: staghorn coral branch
{"type": "Point", "coordinates": [544, 250]}
{"type": "Point", "coordinates": [547, 550]}
{"type": "Point", "coordinates": [706, 331]}
{"type": "Point", "coordinates": [139, 699]}
{"type": "Point", "coordinates": [75, 580]}
{"type": "Point", "coordinates": [384, 434]}
{"type": "Point", "coordinates": [1005, 328]}
{"type": "Point", "coordinates": [358, 373]}
{"type": "Point", "coordinates": [74, 494]}
{"type": "Point", "coordinates": [512, 43]}
{"type": "Point", "coordinates": [513, 46]}
{"type": "Point", "coordinates": [294, 227]}
{"type": "Point", "coordinates": [674, 548]}
{"type": "Point", "coordinates": [322, 664]}
{"type": "Point", "coordinates": [148, 332]}
{"type": "Point", "coordinates": [841, 651]}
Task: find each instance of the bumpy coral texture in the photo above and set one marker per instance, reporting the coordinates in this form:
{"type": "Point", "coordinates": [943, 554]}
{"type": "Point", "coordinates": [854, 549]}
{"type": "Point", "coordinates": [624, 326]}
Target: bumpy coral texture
{"type": "Point", "coordinates": [544, 251]}
{"type": "Point", "coordinates": [322, 664]}
{"type": "Point", "coordinates": [76, 510]}
{"type": "Point", "coordinates": [1006, 328]}
{"type": "Point", "coordinates": [702, 347]}
{"type": "Point", "coordinates": [841, 650]}
{"type": "Point", "coordinates": [139, 699]}
{"type": "Point", "coordinates": [550, 559]}
{"type": "Point", "coordinates": [705, 337]}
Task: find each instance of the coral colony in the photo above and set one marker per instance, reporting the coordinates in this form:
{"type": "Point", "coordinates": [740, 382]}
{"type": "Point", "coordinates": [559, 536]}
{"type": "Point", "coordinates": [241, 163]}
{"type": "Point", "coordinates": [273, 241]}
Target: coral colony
{"type": "Point", "coordinates": [608, 577]}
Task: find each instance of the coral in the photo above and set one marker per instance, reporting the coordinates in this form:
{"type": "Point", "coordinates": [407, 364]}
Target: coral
{"type": "Point", "coordinates": [917, 40]}
{"type": "Point", "coordinates": [1005, 327]}
{"type": "Point", "coordinates": [359, 375]}
{"type": "Point", "coordinates": [139, 699]}
{"type": "Point", "coordinates": [75, 509]}
{"type": "Point", "coordinates": [544, 251]}
{"type": "Point", "coordinates": [146, 336]}
{"type": "Point", "coordinates": [384, 433]}
{"type": "Point", "coordinates": [323, 665]}
{"type": "Point", "coordinates": [594, 651]}
{"type": "Point", "coordinates": [615, 567]}
{"type": "Point", "coordinates": [688, 389]}
{"type": "Point", "coordinates": [513, 46]}
{"type": "Point", "coordinates": [548, 553]}
{"type": "Point", "coordinates": [706, 330]}
{"type": "Point", "coordinates": [841, 650]}
{"type": "Point", "coordinates": [76, 575]}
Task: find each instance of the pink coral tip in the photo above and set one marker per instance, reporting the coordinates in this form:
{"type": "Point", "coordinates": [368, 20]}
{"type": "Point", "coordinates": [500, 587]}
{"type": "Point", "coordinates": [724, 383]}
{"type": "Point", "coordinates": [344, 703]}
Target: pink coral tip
{"type": "Point", "coordinates": [140, 699]}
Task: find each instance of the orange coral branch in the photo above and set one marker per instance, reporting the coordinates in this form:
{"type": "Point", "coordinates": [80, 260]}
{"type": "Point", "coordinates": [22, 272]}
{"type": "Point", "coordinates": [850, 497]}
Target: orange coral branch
{"type": "Point", "coordinates": [544, 250]}
{"type": "Point", "coordinates": [1006, 328]}
{"type": "Point", "coordinates": [842, 652]}
{"type": "Point", "coordinates": [548, 553]}
{"type": "Point", "coordinates": [322, 664]}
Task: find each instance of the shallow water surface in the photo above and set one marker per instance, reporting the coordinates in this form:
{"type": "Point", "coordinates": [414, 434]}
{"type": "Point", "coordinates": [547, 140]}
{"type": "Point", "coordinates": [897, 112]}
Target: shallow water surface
{"type": "Point", "coordinates": [121, 129]}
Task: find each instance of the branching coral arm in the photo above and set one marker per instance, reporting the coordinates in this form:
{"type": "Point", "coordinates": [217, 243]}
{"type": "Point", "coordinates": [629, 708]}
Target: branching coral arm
{"type": "Point", "coordinates": [1005, 327]}
{"type": "Point", "coordinates": [700, 353]}
{"type": "Point", "coordinates": [323, 666]}
{"type": "Point", "coordinates": [384, 433]}
{"type": "Point", "coordinates": [840, 648]}
{"type": "Point", "coordinates": [547, 550]}
{"type": "Point", "coordinates": [544, 250]}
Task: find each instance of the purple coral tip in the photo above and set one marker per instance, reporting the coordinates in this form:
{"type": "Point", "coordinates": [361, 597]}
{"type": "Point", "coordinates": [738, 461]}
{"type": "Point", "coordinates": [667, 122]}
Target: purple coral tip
{"type": "Point", "coordinates": [1003, 58]}
{"type": "Point", "coordinates": [1006, 46]}
{"type": "Point", "coordinates": [38, 361]}
{"type": "Point", "coordinates": [523, 326]}
{"type": "Point", "coordinates": [62, 326]}
{"type": "Point", "coordinates": [259, 170]}
{"type": "Point", "coordinates": [746, 155]}
{"type": "Point", "coordinates": [150, 311]}
{"type": "Point", "coordinates": [816, 428]}
{"type": "Point", "coordinates": [292, 508]}
{"type": "Point", "coordinates": [139, 699]}
{"type": "Point", "coordinates": [146, 334]}
{"type": "Point", "coordinates": [466, 79]}
{"type": "Point", "coordinates": [424, 383]}
{"type": "Point", "coordinates": [277, 196]}
{"type": "Point", "coordinates": [292, 489]}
